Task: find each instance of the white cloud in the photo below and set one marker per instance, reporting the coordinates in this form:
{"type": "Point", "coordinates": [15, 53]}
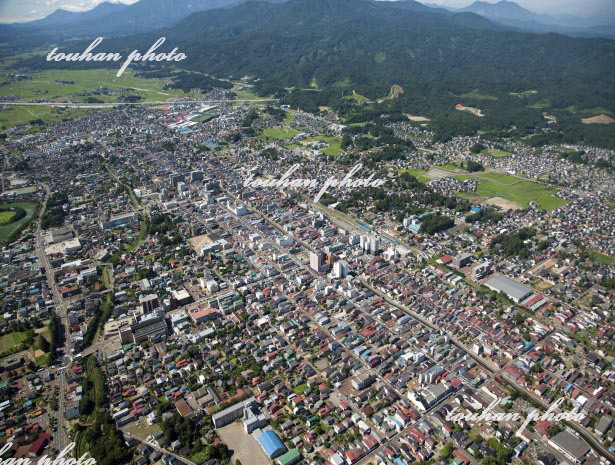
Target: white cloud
{"type": "Point", "coordinates": [29, 10]}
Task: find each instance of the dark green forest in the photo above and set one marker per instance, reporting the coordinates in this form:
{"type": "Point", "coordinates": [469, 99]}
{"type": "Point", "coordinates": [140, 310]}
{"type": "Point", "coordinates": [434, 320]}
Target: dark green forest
{"type": "Point", "coordinates": [313, 53]}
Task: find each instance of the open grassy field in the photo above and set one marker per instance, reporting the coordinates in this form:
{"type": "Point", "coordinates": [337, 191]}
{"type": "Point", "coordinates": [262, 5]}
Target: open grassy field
{"type": "Point", "coordinates": [9, 341]}
{"type": "Point", "coordinates": [357, 98]}
{"type": "Point", "coordinates": [471, 196]}
{"type": "Point", "coordinates": [204, 117]}
{"type": "Point", "coordinates": [246, 93]}
{"type": "Point", "coordinates": [300, 389]}
{"type": "Point", "coordinates": [413, 172]}
{"type": "Point", "coordinates": [497, 153]}
{"type": "Point", "coordinates": [289, 117]}
{"type": "Point", "coordinates": [6, 217]}
{"type": "Point", "coordinates": [516, 190]}
{"type": "Point", "coordinates": [279, 133]}
{"type": "Point", "coordinates": [418, 174]}
{"type": "Point", "coordinates": [500, 178]}
{"type": "Point", "coordinates": [16, 116]}
{"type": "Point", "coordinates": [601, 258]}
{"type": "Point", "coordinates": [8, 229]}
{"type": "Point", "coordinates": [42, 360]}
{"type": "Point", "coordinates": [448, 167]}
{"type": "Point", "coordinates": [475, 94]}
{"type": "Point", "coordinates": [544, 103]}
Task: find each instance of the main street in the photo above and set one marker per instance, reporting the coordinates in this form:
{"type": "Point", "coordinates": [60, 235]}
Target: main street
{"type": "Point", "coordinates": [60, 437]}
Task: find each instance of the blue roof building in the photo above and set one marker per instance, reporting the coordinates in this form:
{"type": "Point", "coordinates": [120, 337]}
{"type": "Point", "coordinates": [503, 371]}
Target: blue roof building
{"type": "Point", "coordinates": [271, 444]}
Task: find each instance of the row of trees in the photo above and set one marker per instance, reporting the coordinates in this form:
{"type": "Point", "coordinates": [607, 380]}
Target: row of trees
{"type": "Point", "coordinates": [432, 224]}
{"type": "Point", "coordinates": [100, 438]}
{"type": "Point", "coordinates": [93, 385]}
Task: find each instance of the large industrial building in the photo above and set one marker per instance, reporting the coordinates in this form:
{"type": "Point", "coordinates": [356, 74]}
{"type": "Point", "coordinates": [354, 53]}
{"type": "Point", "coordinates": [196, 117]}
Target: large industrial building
{"type": "Point", "coordinates": [574, 448]}
{"type": "Point", "coordinates": [515, 291]}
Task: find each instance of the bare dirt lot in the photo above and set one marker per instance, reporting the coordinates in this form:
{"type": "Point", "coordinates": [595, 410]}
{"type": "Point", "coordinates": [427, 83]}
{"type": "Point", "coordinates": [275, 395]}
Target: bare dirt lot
{"type": "Point", "coordinates": [474, 111]}
{"type": "Point", "coordinates": [600, 119]}
{"type": "Point", "coordinates": [503, 203]}
{"type": "Point", "coordinates": [418, 118]}
{"type": "Point", "coordinates": [244, 446]}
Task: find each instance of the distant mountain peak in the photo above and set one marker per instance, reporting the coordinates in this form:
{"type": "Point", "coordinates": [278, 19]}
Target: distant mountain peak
{"type": "Point", "coordinates": [504, 10]}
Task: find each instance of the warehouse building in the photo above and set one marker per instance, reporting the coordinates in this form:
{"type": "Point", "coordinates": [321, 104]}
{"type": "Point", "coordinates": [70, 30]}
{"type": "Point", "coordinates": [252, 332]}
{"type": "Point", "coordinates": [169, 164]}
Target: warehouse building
{"type": "Point", "coordinates": [515, 291]}
{"type": "Point", "coordinates": [574, 448]}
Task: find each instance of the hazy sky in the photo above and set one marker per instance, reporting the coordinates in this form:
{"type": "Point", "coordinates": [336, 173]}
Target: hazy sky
{"type": "Point", "coordinates": [28, 10]}
{"type": "Point", "coordinates": [605, 8]}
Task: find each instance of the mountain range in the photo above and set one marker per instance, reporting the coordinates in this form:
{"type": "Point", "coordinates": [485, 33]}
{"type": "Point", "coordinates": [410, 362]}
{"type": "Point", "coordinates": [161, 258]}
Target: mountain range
{"type": "Point", "coordinates": [512, 14]}
{"type": "Point", "coordinates": [313, 52]}
{"type": "Point", "coordinates": [110, 20]}
{"type": "Point", "coordinates": [361, 42]}
{"type": "Point", "coordinates": [117, 19]}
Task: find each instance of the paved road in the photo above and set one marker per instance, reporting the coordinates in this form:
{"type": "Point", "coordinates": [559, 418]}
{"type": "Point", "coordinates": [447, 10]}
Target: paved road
{"type": "Point", "coordinates": [60, 438]}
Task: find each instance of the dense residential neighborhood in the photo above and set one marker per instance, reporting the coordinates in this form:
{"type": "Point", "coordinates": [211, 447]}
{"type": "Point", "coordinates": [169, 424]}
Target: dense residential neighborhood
{"type": "Point", "coordinates": [157, 309]}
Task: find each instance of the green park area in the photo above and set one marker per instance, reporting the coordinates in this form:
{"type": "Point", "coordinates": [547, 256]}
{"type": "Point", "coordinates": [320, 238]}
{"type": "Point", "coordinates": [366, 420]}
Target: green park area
{"type": "Point", "coordinates": [11, 340]}
{"type": "Point", "coordinates": [602, 258]}
{"type": "Point", "coordinates": [278, 133]}
{"type": "Point", "coordinates": [6, 217]}
{"type": "Point", "coordinates": [335, 144]}
{"type": "Point", "coordinates": [8, 226]}
{"type": "Point", "coordinates": [418, 174]}
{"type": "Point", "coordinates": [514, 189]}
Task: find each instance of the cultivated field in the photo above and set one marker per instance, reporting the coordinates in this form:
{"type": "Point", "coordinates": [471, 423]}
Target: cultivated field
{"type": "Point", "coordinates": [66, 85]}
{"type": "Point", "coordinates": [17, 116]}
{"type": "Point", "coordinates": [60, 84]}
